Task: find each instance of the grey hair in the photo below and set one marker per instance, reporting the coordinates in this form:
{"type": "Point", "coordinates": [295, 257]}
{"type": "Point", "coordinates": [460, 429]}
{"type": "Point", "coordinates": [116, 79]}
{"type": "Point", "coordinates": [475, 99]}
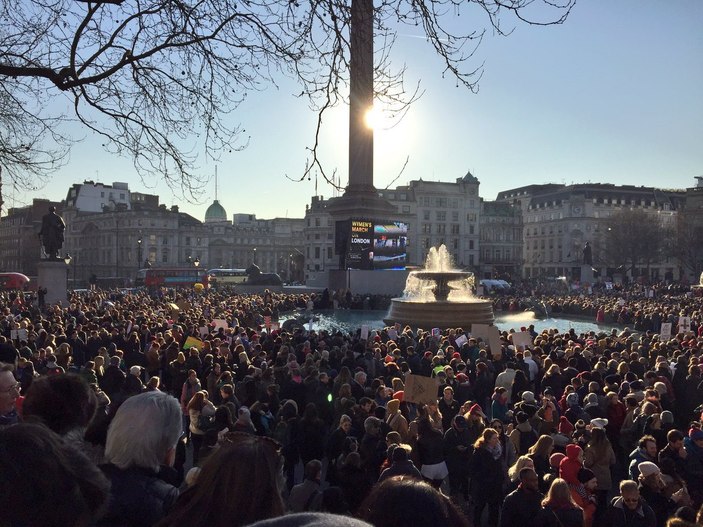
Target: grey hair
{"type": "Point", "coordinates": [145, 428]}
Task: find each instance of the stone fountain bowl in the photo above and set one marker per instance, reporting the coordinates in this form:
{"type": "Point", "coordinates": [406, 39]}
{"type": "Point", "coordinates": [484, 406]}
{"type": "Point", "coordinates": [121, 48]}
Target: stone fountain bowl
{"type": "Point", "coordinates": [441, 275]}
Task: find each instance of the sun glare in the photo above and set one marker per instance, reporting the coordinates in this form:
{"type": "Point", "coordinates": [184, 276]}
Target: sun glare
{"type": "Point", "coordinates": [372, 118]}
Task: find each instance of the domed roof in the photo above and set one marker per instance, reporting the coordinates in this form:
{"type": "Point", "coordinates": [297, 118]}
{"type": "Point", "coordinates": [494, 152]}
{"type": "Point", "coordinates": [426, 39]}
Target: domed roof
{"type": "Point", "coordinates": [215, 212]}
{"type": "Point", "coordinates": [470, 178]}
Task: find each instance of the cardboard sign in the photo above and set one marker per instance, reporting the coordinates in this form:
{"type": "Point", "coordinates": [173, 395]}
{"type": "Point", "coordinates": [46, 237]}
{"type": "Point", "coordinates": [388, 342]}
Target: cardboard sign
{"type": "Point", "coordinates": [684, 324]}
{"type": "Point", "coordinates": [436, 332]}
{"type": "Point", "coordinates": [665, 332]}
{"type": "Point", "coordinates": [364, 332]}
{"type": "Point", "coordinates": [204, 331]}
{"type": "Point", "coordinates": [460, 341]}
{"type": "Point", "coordinates": [174, 309]}
{"type": "Point", "coordinates": [192, 342]}
{"type": "Point", "coordinates": [495, 343]}
{"type": "Point", "coordinates": [522, 340]}
{"type": "Point", "coordinates": [392, 334]}
{"type": "Point", "coordinates": [183, 305]}
{"type": "Point", "coordinates": [419, 389]}
{"type": "Point", "coordinates": [480, 331]}
{"type": "Point", "coordinates": [275, 326]}
{"type": "Point", "coordinates": [609, 286]}
{"type": "Point", "coordinates": [218, 323]}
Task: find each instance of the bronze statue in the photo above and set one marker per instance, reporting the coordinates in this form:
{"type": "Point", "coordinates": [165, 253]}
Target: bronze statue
{"type": "Point", "coordinates": [587, 254]}
{"type": "Point", "coordinates": [51, 233]}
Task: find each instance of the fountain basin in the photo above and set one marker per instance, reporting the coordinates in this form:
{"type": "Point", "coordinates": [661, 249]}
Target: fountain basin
{"type": "Point", "coordinates": [440, 314]}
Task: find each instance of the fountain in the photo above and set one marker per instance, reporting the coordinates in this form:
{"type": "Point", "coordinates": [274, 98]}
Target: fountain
{"type": "Point", "coordinates": [439, 297]}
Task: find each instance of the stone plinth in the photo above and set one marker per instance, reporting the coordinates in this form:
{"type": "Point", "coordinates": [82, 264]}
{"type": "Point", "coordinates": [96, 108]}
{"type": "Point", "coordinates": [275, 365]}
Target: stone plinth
{"type": "Point", "coordinates": [586, 274]}
{"type": "Point", "coordinates": [53, 275]}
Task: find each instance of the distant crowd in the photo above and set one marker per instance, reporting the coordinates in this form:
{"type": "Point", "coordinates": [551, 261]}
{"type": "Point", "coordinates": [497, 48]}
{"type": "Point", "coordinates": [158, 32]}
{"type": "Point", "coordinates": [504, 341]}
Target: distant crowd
{"type": "Point", "coordinates": [204, 409]}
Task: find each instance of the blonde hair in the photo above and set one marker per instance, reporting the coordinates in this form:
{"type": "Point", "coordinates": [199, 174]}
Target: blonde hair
{"type": "Point", "coordinates": [522, 462]}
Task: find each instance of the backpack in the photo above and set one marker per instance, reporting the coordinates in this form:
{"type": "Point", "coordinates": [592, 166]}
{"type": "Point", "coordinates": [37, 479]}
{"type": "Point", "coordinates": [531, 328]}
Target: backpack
{"type": "Point", "coordinates": [206, 422]}
{"type": "Point", "coordinates": [527, 439]}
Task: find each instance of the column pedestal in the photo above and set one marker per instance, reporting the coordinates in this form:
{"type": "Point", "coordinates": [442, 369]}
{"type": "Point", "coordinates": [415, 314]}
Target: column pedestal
{"type": "Point", "coordinates": [53, 275]}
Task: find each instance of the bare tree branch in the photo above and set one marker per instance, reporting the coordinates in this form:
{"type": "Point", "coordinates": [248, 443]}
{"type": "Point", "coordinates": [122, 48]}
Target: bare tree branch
{"type": "Point", "coordinates": [157, 80]}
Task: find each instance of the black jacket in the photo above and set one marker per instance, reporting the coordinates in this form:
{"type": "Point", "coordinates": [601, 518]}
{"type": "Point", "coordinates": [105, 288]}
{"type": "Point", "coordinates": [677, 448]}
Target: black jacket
{"type": "Point", "coordinates": [521, 507]}
{"type": "Point", "coordinates": [619, 515]}
{"type": "Point", "coordinates": [138, 497]}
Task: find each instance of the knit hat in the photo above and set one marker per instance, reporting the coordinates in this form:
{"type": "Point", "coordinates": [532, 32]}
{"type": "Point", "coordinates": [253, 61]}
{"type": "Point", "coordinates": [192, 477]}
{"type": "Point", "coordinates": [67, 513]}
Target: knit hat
{"type": "Point", "coordinates": [695, 434]}
{"type": "Point", "coordinates": [585, 475]}
{"type": "Point", "coordinates": [591, 400]}
{"type": "Point", "coordinates": [570, 465]}
{"type": "Point", "coordinates": [528, 397]}
{"type": "Point", "coordinates": [667, 417]}
{"type": "Point", "coordinates": [476, 409]}
{"type": "Point", "coordinates": [555, 459]}
{"type": "Point", "coordinates": [135, 370]}
{"type": "Point", "coordinates": [572, 399]}
{"type": "Point", "coordinates": [599, 422]}
{"type": "Point", "coordinates": [661, 388]}
{"type": "Point", "coordinates": [647, 468]}
{"type": "Point", "coordinates": [565, 427]}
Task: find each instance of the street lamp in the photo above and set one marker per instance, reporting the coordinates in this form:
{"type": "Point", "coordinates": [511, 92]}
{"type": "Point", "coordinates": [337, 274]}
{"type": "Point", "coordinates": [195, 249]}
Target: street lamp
{"type": "Point", "coordinates": [196, 262]}
{"type": "Point", "coordinates": [67, 260]}
{"type": "Point", "coordinates": [254, 258]}
{"type": "Point", "coordinates": [139, 251]}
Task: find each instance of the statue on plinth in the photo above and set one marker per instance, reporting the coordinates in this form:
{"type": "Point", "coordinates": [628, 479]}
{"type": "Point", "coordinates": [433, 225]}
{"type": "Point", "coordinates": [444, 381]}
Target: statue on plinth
{"type": "Point", "coordinates": [51, 233]}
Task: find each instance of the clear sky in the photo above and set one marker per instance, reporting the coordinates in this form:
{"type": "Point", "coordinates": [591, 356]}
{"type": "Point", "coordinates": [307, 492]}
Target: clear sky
{"type": "Point", "coordinates": [614, 95]}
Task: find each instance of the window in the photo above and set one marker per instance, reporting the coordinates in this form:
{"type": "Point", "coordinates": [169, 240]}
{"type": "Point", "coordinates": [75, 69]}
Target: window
{"type": "Point", "coordinates": [426, 228]}
{"type": "Point", "coordinates": [329, 253]}
{"type": "Point", "coordinates": [455, 228]}
{"type": "Point", "coordinates": [317, 222]}
{"type": "Point", "coordinates": [455, 215]}
{"type": "Point", "coordinates": [441, 228]}
{"type": "Point", "coordinates": [442, 202]}
{"type": "Point", "coordinates": [165, 240]}
{"type": "Point", "coordinates": [426, 215]}
{"type": "Point", "coordinates": [317, 252]}
{"type": "Point", "coordinates": [471, 229]}
{"type": "Point", "coordinates": [187, 240]}
{"type": "Point", "coordinates": [471, 244]}
{"type": "Point", "coordinates": [441, 215]}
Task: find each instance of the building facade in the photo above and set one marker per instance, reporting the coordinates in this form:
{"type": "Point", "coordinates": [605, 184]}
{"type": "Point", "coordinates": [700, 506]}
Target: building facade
{"type": "Point", "coordinates": [558, 220]}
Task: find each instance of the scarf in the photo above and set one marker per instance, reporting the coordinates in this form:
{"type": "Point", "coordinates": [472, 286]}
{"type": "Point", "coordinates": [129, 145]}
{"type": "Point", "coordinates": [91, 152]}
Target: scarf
{"type": "Point", "coordinates": [496, 451]}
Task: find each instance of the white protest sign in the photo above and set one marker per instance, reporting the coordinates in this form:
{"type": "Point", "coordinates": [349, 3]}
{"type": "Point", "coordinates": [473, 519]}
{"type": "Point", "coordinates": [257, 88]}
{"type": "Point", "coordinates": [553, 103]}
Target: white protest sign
{"type": "Point", "coordinates": [392, 334]}
{"type": "Point", "coordinates": [523, 340]}
{"type": "Point", "coordinates": [364, 332]}
{"type": "Point", "coordinates": [665, 332]}
{"type": "Point", "coordinates": [219, 323]}
{"type": "Point", "coordinates": [684, 324]}
{"type": "Point", "coordinates": [461, 340]}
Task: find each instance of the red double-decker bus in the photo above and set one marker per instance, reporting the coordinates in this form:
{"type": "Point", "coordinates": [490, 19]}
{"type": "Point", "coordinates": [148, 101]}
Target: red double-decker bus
{"type": "Point", "coordinates": [171, 277]}
{"type": "Point", "coordinates": [13, 281]}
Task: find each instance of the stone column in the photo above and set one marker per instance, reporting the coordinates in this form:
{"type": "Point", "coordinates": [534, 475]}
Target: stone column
{"type": "Point", "coordinates": [361, 96]}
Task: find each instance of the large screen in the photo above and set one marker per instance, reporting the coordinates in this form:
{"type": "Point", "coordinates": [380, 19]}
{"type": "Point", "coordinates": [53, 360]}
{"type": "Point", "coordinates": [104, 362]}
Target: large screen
{"type": "Point", "coordinates": [365, 244]}
{"type": "Point", "coordinates": [389, 245]}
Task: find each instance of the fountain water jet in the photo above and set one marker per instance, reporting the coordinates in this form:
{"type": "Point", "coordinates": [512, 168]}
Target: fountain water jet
{"type": "Point", "coordinates": [439, 296]}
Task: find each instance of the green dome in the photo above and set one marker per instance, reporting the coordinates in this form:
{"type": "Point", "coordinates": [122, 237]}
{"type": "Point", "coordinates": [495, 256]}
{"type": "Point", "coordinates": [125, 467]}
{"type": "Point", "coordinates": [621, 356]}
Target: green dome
{"type": "Point", "coordinates": [215, 212]}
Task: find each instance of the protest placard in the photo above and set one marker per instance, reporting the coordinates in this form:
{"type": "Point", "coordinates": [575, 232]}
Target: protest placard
{"type": "Point", "coordinates": [522, 340]}
{"type": "Point", "coordinates": [460, 341]}
{"type": "Point", "coordinates": [364, 332]}
{"type": "Point", "coordinates": [684, 324]}
{"type": "Point", "coordinates": [495, 343]}
{"type": "Point", "coordinates": [392, 334]}
{"type": "Point", "coordinates": [193, 342]}
{"type": "Point", "coordinates": [218, 323]}
{"type": "Point", "coordinates": [419, 389]}
{"type": "Point", "coordinates": [665, 332]}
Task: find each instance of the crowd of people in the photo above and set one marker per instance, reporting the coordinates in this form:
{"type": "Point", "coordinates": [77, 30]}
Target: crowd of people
{"type": "Point", "coordinates": [196, 408]}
